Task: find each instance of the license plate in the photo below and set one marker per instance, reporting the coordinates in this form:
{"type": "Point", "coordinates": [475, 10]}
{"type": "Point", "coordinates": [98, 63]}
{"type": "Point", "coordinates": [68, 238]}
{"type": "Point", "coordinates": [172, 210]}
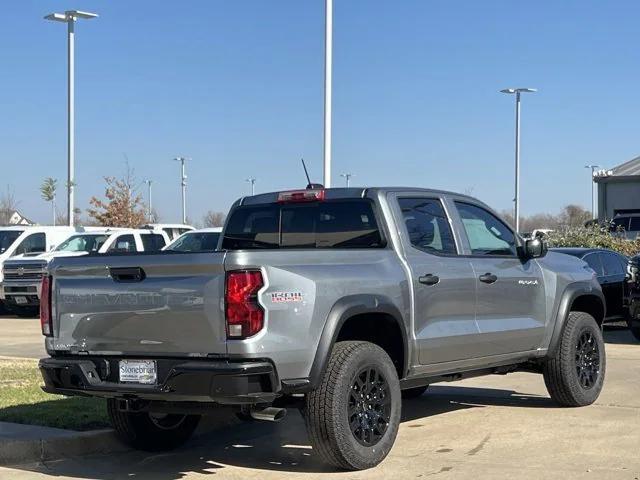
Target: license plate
{"type": "Point", "coordinates": [21, 300]}
{"type": "Point", "coordinates": [138, 371]}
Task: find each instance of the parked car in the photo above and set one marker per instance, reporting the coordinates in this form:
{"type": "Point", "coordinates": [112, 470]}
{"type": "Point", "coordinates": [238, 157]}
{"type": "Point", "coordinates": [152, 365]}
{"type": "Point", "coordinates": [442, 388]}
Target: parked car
{"type": "Point", "coordinates": [21, 240]}
{"type": "Point", "coordinates": [345, 296]}
{"type": "Point", "coordinates": [173, 230]}
{"type": "Point", "coordinates": [633, 320]}
{"type": "Point", "coordinates": [627, 225]}
{"type": "Point", "coordinates": [203, 240]}
{"type": "Point", "coordinates": [611, 271]}
{"type": "Point", "coordinates": [23, 274]}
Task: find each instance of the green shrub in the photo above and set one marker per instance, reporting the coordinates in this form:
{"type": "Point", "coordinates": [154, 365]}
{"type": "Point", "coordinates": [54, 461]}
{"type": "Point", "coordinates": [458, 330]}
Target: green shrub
{"type": "Point", "coordinates": [592, 237]}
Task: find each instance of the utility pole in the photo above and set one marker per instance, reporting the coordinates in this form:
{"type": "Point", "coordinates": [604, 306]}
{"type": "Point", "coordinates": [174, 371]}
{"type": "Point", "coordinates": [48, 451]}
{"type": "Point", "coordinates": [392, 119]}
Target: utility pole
{"type": "Point", "coordinates": [328, 69]}
{"type": "Point", "coordinates": [347, 178]}
{"type": "Point", "coordinates": [70, 17]}
{"type": "Point", "coordinates": [252, 181]}
{"type": "Point", "coordinates": [183, 183]}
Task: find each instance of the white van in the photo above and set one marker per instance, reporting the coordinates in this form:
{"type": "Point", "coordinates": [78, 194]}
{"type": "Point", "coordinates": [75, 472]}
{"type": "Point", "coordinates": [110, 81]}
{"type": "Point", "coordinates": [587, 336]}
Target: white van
{"type": "Point", "coordinates": [23, 274]}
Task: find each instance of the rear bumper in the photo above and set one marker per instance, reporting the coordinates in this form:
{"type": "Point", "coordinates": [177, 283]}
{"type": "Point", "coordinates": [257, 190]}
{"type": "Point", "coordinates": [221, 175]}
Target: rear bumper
{"type": "Point", "coordinates": [179, 380]}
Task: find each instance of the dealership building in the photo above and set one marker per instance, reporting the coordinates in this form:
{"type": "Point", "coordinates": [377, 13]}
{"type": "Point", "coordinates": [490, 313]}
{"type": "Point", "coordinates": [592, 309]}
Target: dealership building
{"type": "Point", "coordinates": [618, 189]}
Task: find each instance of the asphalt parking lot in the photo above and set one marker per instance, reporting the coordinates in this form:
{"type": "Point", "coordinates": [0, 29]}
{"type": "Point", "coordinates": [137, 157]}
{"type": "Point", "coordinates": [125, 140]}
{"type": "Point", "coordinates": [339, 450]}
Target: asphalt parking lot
{"type": "Point", "coordinates": [485, 428]}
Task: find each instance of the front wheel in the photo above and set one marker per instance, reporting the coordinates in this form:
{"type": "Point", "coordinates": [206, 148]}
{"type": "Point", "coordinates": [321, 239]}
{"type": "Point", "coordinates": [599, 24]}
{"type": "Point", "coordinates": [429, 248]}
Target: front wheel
{"type": "Point", "coordinates": [575, 374]}
{"type": "Point", "coordinates": [151, 432]}
{"type": "Point", "coordinates": [353, 416]}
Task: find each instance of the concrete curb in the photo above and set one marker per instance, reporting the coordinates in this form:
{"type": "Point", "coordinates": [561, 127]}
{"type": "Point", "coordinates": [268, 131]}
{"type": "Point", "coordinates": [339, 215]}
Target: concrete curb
{"type": "Point", "coordinates": [22, 444]}
{"type": "Point", "coordinates": [20, 451]}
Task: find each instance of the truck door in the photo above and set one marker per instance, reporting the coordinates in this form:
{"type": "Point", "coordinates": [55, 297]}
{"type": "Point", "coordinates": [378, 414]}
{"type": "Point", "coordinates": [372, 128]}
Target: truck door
{"type": "Point", "coordinates": [511, 304]}
{"type": "Point", "coordinates": [443, 283]}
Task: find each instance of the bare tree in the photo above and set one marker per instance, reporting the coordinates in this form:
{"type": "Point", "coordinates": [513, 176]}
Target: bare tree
{"type": "Point", "coordinates": [8, 205]}
{"type": "Point", "coordinates": [213, 219]}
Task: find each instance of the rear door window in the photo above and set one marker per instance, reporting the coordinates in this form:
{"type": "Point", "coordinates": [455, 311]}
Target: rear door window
{"type": "Point", "coordinates": [594, 261]}
{"type": "Point", "coordinates": [124, 243]}
{"type": "Point", "coordinates": [427, 225]}
{"type": "Point", "coordinates": [152, 242]}
{"type": "Point", "coordinates": [325, 224]}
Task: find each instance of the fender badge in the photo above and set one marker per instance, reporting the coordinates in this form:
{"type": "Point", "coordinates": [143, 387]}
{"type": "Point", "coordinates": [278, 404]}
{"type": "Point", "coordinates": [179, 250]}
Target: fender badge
{"type": "Point", "coordinates": [286, 297]}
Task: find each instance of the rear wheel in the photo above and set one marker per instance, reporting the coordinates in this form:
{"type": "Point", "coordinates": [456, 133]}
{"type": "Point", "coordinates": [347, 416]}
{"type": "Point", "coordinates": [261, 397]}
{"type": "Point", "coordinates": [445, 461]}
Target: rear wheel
{"type": "Point", "coordinates": [353, 416]}
{"type": "Point", "coordinates": [575, 374]}
{"type": "Point", "coordinates": [150, 431]}
{"type": "Point", "coordinates": [414, 392]}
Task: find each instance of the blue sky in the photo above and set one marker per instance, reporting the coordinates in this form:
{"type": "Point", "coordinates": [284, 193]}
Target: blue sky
{"type": "Point", "coordinates": [237, 86]}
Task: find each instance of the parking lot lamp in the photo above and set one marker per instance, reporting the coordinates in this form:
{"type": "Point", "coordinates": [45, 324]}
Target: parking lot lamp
{"type": "Point", "coordinates": [149, 206]}
{"type": "Point", "coordinates": [517, 92]}
{"type": "Point", "coordinates": [347, 178]}
{"type": "Point", "coordinates": [328, 69]}
{"type": "Point", "coordinates": [593, 188]}
{"type": "Point", "coordinates": [69, 17]}
{"type": "Point", "coordinates": [183, 184]}
{"type": "Point", "coordinates": [252, 181]}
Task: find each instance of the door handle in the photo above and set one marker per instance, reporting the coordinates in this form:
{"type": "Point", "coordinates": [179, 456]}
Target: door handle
{"type": "Point", "coordinates": [127, 275]}
{"type": "Point", "coordinates": [488, 278]}
{"type": "Point", "coordinates": [429, 279]}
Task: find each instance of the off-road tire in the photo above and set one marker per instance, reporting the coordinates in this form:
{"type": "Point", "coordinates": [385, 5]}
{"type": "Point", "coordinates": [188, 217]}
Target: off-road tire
{"type": "Point", "coordinates": [142, 433]}
{"type": "Point", "coordinates": [414, 392]}
{"type": "Point", "coordinates": [561, 371]}
{"type": "Point", "coordinates": [326, 410]}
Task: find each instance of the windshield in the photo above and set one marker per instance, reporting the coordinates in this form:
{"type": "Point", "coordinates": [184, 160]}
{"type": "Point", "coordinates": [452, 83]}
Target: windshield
{"type": "Point", "coordinates": [196, 242]}
{"type": "Point", "coordinates": [7, 237]}
{"type": "Point", "coordinates": [82, 243]}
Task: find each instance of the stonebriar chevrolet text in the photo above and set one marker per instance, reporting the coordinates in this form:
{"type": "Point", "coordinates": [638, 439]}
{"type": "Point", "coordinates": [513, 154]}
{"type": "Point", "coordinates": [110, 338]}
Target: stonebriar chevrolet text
{"type": "Point", "coordinates": [337, 301]}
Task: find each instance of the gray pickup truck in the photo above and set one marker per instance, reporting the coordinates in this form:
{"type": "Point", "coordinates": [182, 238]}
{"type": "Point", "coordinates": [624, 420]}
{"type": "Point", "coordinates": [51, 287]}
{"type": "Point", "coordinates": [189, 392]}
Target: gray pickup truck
{"type": "Point", "coordinates": [338, 301]}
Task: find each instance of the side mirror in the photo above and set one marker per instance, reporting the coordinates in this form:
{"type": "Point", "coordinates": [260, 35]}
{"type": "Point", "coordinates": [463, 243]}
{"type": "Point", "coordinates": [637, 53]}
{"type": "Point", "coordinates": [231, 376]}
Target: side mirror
{"type": "Point", "coordinates": [535, 248]}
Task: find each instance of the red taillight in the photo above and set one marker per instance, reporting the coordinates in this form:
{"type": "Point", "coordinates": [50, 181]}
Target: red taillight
{"type": "Point", "coordinates": [295, 196]}
{"type": "Point", "coordinates": [45, 307]}
{"type": "Point", "coordinates": [245, 317]}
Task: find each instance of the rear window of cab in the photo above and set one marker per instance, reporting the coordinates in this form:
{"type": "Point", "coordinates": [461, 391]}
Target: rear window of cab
{"type": "Point", "coordinates": [325, 224]}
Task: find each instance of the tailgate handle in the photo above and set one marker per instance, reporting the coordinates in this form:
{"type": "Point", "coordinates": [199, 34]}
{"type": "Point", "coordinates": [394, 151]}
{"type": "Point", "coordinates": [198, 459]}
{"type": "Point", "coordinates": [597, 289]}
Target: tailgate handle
{"type": "Point", "coordinates": [127, 274]}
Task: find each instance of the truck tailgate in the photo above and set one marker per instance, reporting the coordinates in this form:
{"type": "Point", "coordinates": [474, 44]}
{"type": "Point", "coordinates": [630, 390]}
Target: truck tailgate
{"type": "Point", "coordinates": [100, 305]}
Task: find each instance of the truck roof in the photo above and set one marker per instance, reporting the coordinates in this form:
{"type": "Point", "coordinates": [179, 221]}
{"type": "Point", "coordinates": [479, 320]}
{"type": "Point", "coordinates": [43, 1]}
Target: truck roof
{"type": "Point", "coordinates": [351, 192]}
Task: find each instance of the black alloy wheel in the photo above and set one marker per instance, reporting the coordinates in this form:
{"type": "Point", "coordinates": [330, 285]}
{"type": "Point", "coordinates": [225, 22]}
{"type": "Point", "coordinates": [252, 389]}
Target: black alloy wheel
{"type": "Point", "coordinates": [369, 406]}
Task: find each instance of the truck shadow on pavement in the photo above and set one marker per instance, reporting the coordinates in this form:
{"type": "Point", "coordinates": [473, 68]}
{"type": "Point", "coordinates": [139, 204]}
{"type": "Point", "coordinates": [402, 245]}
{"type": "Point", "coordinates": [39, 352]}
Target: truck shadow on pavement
{"type": "Point", "coordinates": [282, 447]}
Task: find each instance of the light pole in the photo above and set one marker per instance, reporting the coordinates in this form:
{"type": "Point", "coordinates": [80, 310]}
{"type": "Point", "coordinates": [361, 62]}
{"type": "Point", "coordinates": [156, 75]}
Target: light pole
{"type": "Point", "coordinates": [593, 189]}
{"type": "Point", "coordinates": [252, 181]}
{"type": "Point", "coordinates": [149, 206]}
{"type": "Point", "coordinates": [183, 183]}
{"type": "Point", "coordinates": [347, 178]}
{"type": "Point", "coordinates": [517, 92]}
{"type": "Point", "coordinates": [69, 17]}
{"type": "Point", "coordinates": [328, 67]}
